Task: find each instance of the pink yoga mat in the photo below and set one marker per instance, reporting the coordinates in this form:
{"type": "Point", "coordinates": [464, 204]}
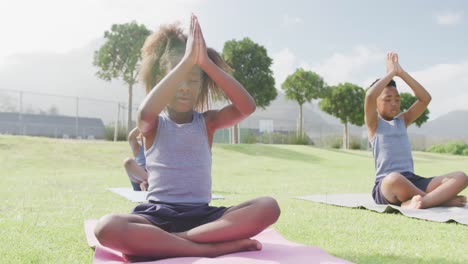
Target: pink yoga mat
{"type": "Point", "coordinates": [275, 249]}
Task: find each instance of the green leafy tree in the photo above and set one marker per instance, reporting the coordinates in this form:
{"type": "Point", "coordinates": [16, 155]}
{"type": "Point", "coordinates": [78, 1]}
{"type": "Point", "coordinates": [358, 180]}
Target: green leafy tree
{"type": "Point", "coordinates": [406, 101]}
{"type": "Point", "coordinates": [119, 57]}
{"type": "Point", "coordinates": [252, 68]}
{"type": "Point", "coordinates": [345, 101]}
{"type": "Point", "coordinates": [302, 86]}
{"type": "Point", "coordinates": [8, 104]}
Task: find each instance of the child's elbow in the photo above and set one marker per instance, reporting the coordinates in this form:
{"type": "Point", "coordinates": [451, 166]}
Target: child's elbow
{"type": "Point", "coordinates": [369, 94]}
{"type": "Point", "coordinates": [145, 122]}
{"type": "Point", "coordinates": [253, 108]}
{"type": "Point", "coordinates": [369, 98]}
{"type": "Point", "coordinates": [429, 99]}
{"type": "Point", "coordinates": [250, 109]}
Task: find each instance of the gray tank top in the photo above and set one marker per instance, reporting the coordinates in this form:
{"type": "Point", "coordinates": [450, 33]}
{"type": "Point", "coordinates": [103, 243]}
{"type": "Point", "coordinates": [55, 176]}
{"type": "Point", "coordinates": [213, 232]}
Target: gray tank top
{"type": "Point", "coordinates": [391, 147]}
{"type": "Point", "coordinates": [179, 162]}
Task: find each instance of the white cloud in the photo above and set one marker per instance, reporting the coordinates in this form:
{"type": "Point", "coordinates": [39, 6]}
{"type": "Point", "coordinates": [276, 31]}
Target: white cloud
{"type": "Point", "coordinates": [449, 18]}
{"type": "Point", "coordinates": [348, 67]}
{"type": "Point", "coordinates": [284, 63]}
{"type": "Point", "coordinates": [339, 67]}
{"type": "Point", "coordinates": [60, 26]}
{"type": "Point", "coordinates": [289, 20]}
{"type": "Point", "coordinates": [447, 84]}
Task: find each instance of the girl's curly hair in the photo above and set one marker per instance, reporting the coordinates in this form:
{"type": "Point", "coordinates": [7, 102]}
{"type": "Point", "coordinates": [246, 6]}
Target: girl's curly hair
{"type": "Point", "coordinates": [157, 54]}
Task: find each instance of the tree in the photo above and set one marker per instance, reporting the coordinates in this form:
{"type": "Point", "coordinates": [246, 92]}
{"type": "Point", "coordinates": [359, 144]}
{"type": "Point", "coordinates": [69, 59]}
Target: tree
{"type": "Point", "coordinates": [302, 86]}
{"type": "Point", "coordinates": [406, 101]}
{"type": "Point", "coordinates": [346, 102]}
{"type": "Point", "coordinates": [7, 104]}
{"type": "Point", "coordinates": [53, 110]}
{"type": "Point", "coordinates": [119, 57]}
{"type": "Point", "coordinates": [251, 67]}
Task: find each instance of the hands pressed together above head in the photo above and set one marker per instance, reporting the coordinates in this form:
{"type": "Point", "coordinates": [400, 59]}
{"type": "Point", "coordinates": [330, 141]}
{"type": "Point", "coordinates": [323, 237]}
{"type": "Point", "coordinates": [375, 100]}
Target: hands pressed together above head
{"type": "Point", "coordinates": [393, 64]}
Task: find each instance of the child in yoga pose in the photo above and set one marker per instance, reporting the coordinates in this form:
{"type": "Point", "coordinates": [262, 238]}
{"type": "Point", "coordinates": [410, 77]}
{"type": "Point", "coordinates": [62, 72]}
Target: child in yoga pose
{"type": "Point", "coordinates": [178, 221]}
{"type": "Point", "coordinates": [396, 182]}
{"type": "Point", "coordinates": [136, 166]}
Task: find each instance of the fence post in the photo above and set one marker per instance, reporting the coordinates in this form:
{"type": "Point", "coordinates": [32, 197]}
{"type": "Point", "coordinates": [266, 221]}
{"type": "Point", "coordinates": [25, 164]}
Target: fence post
{"type": "Point", "coordinates": [116, 127]}
{"type": "Point", "coordinates": [76, 117]}
{"type": "Point", "coordinates": [20, 116]}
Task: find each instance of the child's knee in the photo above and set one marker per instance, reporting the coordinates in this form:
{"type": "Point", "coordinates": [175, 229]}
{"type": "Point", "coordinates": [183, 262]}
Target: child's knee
{"type": "Point", "coordinates": [101, 227]}
{"type": "Point", "coordinates": [106, 227]}
{"type": "Point", "coordinates": [127, 162]}
{"type": "Point", "coordinates": [462, 177]}
{"type": "Point", "coordinates": [269, 207]}
{"type": "Point", "coordinates": [392, 178]}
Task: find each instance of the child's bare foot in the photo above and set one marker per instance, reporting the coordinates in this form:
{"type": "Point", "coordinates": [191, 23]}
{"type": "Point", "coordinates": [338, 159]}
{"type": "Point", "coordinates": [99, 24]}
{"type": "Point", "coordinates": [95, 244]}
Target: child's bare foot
{"type": "Point", "coordinates": [414, 203]}
{"type": "Point", "coordinates": [247, 241]}
{"type": "Point", "coordinates": [458, 201]}
{"type": "Point", "coordinates": [236, 246]}
{"type": "Point", "coordinates": [210, 250]}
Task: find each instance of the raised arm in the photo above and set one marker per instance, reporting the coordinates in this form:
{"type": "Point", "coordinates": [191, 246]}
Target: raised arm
{"type": "Point", "coordinates": [423, 97]}
{"type": "Point", "coordinates": [370, 102]}
{"type": "Point", "coordinates": [133, 141]}
{"type": "Point", "coordinates": [161, 94]}
{"type": "Point", "coordinates": [242, 103]}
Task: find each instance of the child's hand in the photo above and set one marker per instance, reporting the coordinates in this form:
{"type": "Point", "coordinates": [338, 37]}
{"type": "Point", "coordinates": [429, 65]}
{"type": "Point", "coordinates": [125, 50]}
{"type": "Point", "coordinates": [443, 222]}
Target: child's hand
{"type": "Point", "coordinates": [144, 186]}
{"type": "Point", "coordinates": [196, 47]}
{"type": "Point", "coordinates": [396, 62]}
{"type": "Point", "coordinates": [390, 63]}
{"type": "Point", "coordinates": [393, 65]}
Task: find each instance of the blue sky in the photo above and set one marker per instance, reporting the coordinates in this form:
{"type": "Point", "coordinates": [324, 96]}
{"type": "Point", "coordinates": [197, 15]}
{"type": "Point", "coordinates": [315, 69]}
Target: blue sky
{"type": "Point", "coordinates": [340, 40]}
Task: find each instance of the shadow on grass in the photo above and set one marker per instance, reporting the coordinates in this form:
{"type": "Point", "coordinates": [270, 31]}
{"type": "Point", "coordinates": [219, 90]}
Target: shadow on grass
{"type": "Point", "coordinates": [5, 145]}
{"type": "Point", "coordinates": [217, 191]}
{"type": "Point", "coordinates": [431, 157]}
{"type": "Point", "coordinates": [350, 152]}
{"type": "Point", "coordinates": [271, 152]}
{"type": "Point", "coordinates": [378, 258]}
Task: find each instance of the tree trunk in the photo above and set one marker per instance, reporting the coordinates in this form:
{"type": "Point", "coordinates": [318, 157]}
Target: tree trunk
{"type": "Point", "coordinates": [129, 117]}
{"type": "Point", "coordinates": [300, 132]}
{"type": "Point", "coordinates": [235, 134]}
{"type": "Point", "coordinates": [346, 136]}
{"type": "Point", "coordinates": [116, 127]}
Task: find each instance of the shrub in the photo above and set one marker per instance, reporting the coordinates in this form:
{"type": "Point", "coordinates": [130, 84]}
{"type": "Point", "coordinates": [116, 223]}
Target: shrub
{"type": "Point", "coordinates": [336, 142]}
{"type": "Point", "coordinates": [465, 152]}
{"type": "Point", "coordinates": [354, 143]}
{"type": "Point", "coordinates": [454, 147]}
{"type": "Point", "coordinates": [121, 133]}
{"type": "Point", "coordinates": [249, 137]}
{"type": "Point", "coordinates": [299, 140]}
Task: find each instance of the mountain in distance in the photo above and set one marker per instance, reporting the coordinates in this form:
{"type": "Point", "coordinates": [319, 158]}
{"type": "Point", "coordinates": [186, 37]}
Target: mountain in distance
{"type": "Point", "coordinates": [285, 113]}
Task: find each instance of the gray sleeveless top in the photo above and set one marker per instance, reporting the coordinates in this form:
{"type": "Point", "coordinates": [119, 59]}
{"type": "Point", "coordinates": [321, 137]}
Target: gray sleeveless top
{"type": "Point", "coordinates": [179, 162]}
{"type": "Point", "coordinates": [391, 147]}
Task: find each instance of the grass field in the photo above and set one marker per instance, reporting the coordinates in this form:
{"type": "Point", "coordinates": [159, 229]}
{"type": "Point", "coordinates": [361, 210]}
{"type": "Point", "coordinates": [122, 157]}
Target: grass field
{"type": "Point", "coordinates": [49, 187]}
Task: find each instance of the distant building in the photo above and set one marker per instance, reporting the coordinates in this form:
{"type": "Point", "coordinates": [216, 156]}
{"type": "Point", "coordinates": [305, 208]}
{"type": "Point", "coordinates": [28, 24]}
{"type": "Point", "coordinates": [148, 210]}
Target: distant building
{"type": "Point", "coordinates": [55, 126]}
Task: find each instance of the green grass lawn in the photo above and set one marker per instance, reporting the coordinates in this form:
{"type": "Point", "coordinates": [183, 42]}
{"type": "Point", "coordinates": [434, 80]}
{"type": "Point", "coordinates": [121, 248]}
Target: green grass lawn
{"type": "Point", "coordinates": [49, 187]}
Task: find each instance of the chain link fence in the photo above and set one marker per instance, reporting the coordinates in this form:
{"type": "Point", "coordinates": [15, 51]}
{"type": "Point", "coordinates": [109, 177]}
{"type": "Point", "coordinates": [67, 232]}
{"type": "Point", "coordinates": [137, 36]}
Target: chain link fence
{"type": "Point", "coordinates": [62, 116]}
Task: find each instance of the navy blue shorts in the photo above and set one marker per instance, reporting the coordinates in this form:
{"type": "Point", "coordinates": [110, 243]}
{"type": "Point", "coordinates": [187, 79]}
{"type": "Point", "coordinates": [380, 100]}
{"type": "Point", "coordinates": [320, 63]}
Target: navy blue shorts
{"type": "Point", "coordinates": [418, 181]}
{"type": "Point", "coordinates": [176, 217]}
